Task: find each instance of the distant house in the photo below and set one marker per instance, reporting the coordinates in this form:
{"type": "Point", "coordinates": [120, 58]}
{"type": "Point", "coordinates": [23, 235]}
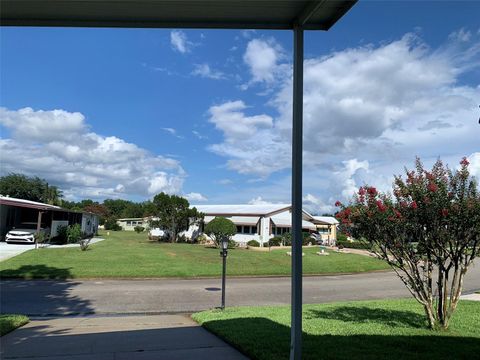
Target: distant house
{"type": "Point", "coordinates": [262, 222]}
{"type": "Point", "coordinates": [19, 213]}
{"type": "Point", "coordinates": [129, 224]}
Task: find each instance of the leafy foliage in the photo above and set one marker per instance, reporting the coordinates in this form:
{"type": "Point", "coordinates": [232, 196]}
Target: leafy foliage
{"type": "Point", "coordinates": [111, 224]}
{"type": "Point", "coordinates": [220, 228]}
{"type": "Point", "coordinates": [174, 214]}
{"type": "Point", "coordinates": [74, 233]}
{"type": "Point", "coordinates": [138, 229]}
{"type": "Point", "coordinates": [430, 228]}
{"type": "Point", "coordinates": [253, 243]}
{"type": "Point", "coordinates": [29, 188]}
{"type": "Point", "coordinates": [275, 241]}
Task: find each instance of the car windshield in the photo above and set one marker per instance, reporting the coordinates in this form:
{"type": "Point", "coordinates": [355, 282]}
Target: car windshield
{"type": "Point", "coordinates": [32, 226]}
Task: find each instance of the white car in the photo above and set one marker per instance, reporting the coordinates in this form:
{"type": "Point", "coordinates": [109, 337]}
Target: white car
{"type": "Point", "coordinates": [24, 233]}
{"type": "Point", "coordinates": [156, 234]}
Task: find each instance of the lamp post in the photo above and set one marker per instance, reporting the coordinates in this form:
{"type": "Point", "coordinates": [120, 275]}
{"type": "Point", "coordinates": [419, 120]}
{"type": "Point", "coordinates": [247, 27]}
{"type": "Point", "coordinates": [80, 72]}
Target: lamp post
{"type": "Point", "coordinates": [223, 254]}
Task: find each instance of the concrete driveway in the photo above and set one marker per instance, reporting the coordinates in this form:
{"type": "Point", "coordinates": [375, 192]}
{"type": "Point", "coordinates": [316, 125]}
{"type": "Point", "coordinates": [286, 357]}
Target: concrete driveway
{"type": "Point", "coordinates": [10, 250]}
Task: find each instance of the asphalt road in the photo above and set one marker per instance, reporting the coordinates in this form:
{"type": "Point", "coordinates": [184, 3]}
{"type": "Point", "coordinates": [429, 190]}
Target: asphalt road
{"type": "Point", "coordinates": [48, 297]}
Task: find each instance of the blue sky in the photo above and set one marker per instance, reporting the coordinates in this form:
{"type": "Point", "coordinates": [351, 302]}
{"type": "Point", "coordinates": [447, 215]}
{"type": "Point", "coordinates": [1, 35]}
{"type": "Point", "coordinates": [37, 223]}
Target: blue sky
{"type": "Point", "coordinates": [127, 113]}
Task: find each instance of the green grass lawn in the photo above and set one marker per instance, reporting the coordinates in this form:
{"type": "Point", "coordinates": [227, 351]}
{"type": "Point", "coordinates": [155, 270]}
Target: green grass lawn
{"type": "Point", "coordinates": [388, 329]}
{"type": "Point", "coordinates": [9, 322]}
{"type": "Point", "coordinates": [131, 255]}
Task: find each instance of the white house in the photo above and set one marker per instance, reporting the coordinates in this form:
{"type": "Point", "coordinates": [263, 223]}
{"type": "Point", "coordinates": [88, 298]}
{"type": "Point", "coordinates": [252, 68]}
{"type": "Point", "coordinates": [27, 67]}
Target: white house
{"type": "Point", "coordinates": [262, 222]}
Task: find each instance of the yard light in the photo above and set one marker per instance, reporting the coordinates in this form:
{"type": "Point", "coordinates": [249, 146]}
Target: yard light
{"type": "Point", "coordinates": [223, 254]}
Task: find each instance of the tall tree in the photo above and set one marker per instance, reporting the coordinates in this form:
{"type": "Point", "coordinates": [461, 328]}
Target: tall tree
{"type": "Point", "coordinates": [174, 214]}
{"type": "Point", "coordinates": [29, 188]}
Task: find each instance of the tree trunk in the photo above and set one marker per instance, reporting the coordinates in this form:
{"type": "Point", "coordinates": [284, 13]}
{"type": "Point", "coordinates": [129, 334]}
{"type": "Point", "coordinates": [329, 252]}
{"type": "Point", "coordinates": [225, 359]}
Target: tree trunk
{"type": "Point", "coordinates": [428, 306]}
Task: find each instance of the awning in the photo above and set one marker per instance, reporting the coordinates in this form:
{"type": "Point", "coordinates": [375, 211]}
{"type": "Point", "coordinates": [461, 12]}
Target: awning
{"type": "Point", "coordinates": [224, 14]}
{"type": "Point", "coordinates": [237, 220]}
{"type": "Point", "coordinates": [287, 222]}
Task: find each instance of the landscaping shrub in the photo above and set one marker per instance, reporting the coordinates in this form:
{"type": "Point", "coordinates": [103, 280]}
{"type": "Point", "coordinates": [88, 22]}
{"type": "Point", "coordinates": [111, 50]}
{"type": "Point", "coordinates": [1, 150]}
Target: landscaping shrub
{"type": "Point", "coordinates": [253, 243]}
{"type": "Point", "coordinates": [353, 245]}
{"type": "Point", "coordinates": [341, 237]}
{"type": "Point", "coordinates": [307, 239]}
{"type": "Point", "coordinates": [84, 243]}
{"type": "Point", "coordinates": [139, 229]}
{"type": "Point", "coordinates": [111, 224]}
{"type": "Point", "coordinates": [286, 239]}
{"type": "Point", "coordinates": [74, 233]}
{"type": "Point", "coordinates": [61, 237]}
{"type": "Point", "coordinates": [275, 241]}
{"type": "Point", "coordinates": [232, 244]}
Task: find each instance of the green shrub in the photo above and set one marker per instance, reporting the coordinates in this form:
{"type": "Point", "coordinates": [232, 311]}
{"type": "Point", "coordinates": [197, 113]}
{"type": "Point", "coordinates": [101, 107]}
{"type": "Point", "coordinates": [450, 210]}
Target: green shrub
{"type": "Point", "coordinates": [74, 233]}
{"type": "Point", "coordinates": [275, 241]}
{"type": "Point", "coordinates": [287, 239]}
{"type": "Point", "coordinates": [138, 229]}
{"type": "Point", "coordinates": [253, 243]}
{"type": "Point", "coordinates": [307, 239]}
{"type": "Point", "coordinates": [61, 237]}
{"type": "Point", "coordinates": [341, 237]}
{"type": "Point", "coordinates": [111, 224]}
{"type": "Point", "coordinates": [232, 244]}
{"type": "Point", "coordinates": [353, 245]}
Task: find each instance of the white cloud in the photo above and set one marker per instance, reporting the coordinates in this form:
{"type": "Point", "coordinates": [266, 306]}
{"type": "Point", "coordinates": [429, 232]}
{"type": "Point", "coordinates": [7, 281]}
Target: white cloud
{"type": "Point", "coordinates": [58, 146]}
{"type": "Point", "coordinates": [250, 141]}
{"type": "Point", "coordinates": [204, 70]}
{"type": "Point", "coordinates": [198, 135]}
{"type": "Point", "coordinates": [259, 201]}
{"type": "Point", "coordinates": [179, 41]}
{"type": "Point", "coordinates": [474, 166]}
{"type": "Point", "coordinates": [377, 105]}
{"type": "Point", "coordinates": [172, 132]}
{"type": "Point", "coordinates": [262, 57]}
{"type": "Point", "coordinates": [194, 196]}
{"type": "Point", "coordinates": [316, 206]}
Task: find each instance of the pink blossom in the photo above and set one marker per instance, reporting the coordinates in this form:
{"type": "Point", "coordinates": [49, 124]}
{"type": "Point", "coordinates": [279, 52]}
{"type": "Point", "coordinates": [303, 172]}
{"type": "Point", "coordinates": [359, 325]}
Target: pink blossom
{"type": "Point", "coordinates": [338, 203]}
{"type": "Point", "coordinates": [414, 204]}
{"type": "Point", "coordinates": [432, 187]}
{"type": "Point", "coordinates": [464, 162]}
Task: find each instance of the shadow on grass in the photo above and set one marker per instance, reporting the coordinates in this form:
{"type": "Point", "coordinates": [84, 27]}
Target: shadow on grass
{"type": "Point", "coordinates": [36, 272]}
{"type": "Point", "coordinates": [39, 290]}
{"type": "Point", "coordinates": [358, 314]}
{"type": "Point", "coordinates": [263, 339]}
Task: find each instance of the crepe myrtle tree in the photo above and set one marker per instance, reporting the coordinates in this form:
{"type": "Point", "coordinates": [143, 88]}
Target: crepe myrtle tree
{"type": "Point", "coordinates": [220, 228]}
{"type": "Point", "coordinates": [428, 232]}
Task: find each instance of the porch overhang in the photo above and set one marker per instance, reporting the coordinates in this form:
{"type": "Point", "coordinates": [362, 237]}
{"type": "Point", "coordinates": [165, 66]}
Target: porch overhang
{"type": "Point", "coordinates": [215, 14]}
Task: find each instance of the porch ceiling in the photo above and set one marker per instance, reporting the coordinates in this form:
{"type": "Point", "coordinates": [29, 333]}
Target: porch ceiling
{"type": "Point", "coordinates": [225, 14]}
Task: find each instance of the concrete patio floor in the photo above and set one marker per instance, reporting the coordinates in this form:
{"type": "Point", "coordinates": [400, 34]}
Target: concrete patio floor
{"type": "Point", "coordinates": [115, 337]}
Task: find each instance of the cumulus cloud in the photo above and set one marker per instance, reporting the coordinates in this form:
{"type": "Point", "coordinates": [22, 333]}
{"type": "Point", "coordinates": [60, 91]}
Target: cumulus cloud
{"type": "Point", "coordinates": [205, 71]}
{"type": "Point", "coordinates": [259, 201]}
{"type": "Point", "coordinates": [474, 164]}
{"type": "Point", "coordinates": [377, 105]}
{"type": "Point", "coordinates": [315, 205]}
{"type": "Point", "coordinates": [262, 57]}
{"type": "Point", "coordinates": [194, 196]}
{"type": "Point", "coordinates": [58, 146]}
{"type": "Point", "coordinates": [250, 141]}
{"type": "Point", "coordinates": [180, 42]}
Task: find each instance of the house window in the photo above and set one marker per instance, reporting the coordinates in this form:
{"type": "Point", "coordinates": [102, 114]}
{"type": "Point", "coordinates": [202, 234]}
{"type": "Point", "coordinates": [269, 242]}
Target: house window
{"type": "Point", "coordinates": [246, 229]}
{"type": "Point", "coordinates": [323, 230]}
{"type": "Point", "coordinates": [280, 230]}
{"type": "Point", "coordinates": [129, 223]}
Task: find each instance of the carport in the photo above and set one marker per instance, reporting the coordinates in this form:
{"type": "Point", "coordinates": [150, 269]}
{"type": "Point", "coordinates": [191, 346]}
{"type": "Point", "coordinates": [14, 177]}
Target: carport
{"type": "Point", "coordinates": [295, 15]}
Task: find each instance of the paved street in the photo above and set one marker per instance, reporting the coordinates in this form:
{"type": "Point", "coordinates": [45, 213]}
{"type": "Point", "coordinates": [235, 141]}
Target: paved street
{"type": "Point", "coordinates": [163, 296]}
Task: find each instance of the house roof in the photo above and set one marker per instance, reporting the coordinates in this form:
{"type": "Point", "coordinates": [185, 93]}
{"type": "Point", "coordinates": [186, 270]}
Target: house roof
{"type": "Point", "coordinates": [6, 200]}
{"type": "Point", "coordinates": [242, 209]}
{"type": "Point", "coordinates": [237, 220]}
{"type": "Point", "coordinates": [226, 14]}
{"type": "Point", "coordinates": [11, 201]}
{"type": "Point", "coordinates": [286, 221]}
{"type": "Point", "coordinates": [329, 220]}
